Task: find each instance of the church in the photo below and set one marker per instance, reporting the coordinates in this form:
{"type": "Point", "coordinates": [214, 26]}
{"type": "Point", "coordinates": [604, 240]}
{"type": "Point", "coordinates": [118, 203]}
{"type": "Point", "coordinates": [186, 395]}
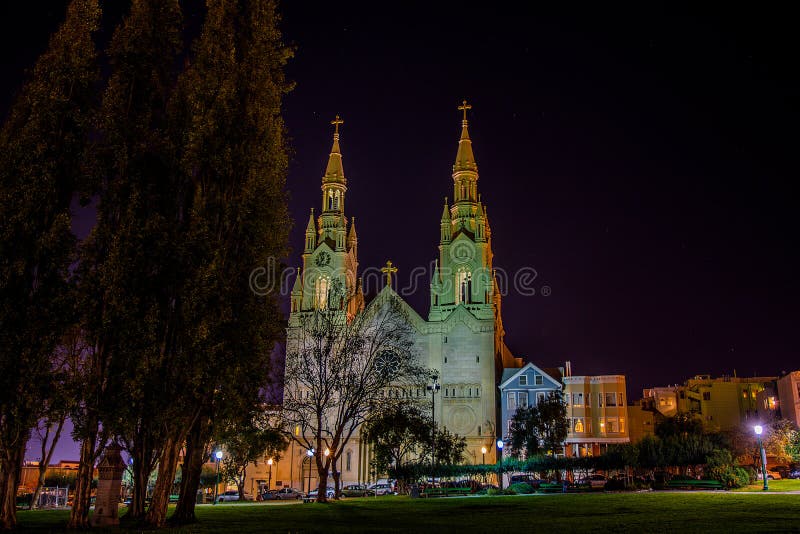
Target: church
{"type": "Point", "coordinates": [462, 338]}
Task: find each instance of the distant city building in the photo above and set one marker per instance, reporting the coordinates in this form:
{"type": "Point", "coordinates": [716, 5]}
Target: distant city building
{"type": "Point", "coordinates": [597, 413]}
{"type": "Point", "coordinates": [788, 389]}
{"type": "Point", "coordinates": [641, 421]}
{"type": "Point", "coordinates": [722, 403]}
{"type": "Point", "coordinates": [523, 387]}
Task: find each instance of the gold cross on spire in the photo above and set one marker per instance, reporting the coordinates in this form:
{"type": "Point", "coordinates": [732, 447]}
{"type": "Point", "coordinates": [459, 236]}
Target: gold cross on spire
{"type": "Point", "coordinates": [388, 270]}
{"type": "Point", "coordinates": [464, 107]}
{"type": "Point", "coordinates": [336, 122]}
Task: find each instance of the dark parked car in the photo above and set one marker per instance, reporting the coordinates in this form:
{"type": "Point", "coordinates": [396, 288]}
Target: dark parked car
{"type": "Point", "coordinates": [285, 494]}
{"type": "Point", "coordinates": [357, 490]}
{"type": "Point", "coordinates": [794, 473]}
{"type": "Point", "coordinates": [594, 481]}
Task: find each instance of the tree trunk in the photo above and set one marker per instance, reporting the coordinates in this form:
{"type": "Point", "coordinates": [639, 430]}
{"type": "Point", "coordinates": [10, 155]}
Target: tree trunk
{"type": "Point", "coordinates": [337, 486]}
{"type": "Point", "coordinates": [79, 514]}
{"type": "Point", "coordinates": [47, 456]}
{"type": "Point", "coordinates": [141, 476]}
{"type": "Point", "coordinates": [240, 480]}
{"type": "Point", "coordinates": [167, 465]}
{"type": "Point", "coordinates": [322, 471]}
{"type": "Point", "coordinates": [191, 469]}
{"type": "Point", "coordinates": [10, 466]}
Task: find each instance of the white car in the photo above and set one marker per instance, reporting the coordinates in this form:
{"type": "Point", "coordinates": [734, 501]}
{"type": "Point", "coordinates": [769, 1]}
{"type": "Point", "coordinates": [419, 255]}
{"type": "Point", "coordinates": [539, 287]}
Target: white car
{"type": "Point", "coordinates": [381, 489]}
{"type": "Point", "coordinates": [315, 492]}
{"type": "Point", "coordinates": [228, 496]}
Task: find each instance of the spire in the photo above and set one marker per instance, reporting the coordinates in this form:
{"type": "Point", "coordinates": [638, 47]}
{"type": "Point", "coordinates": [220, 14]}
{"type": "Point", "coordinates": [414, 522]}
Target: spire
{"type": "Point", "coordinates": [311, 227]}
{"type": "Point", "coordinates": [352, 238]}
{"type": "Point", "coordinates": [446, 211]}
{"type": "Point", "coordinates": [334, 172]}
{"type": "Point", "coordinates": [465, 159]}
{"type": "Point", "coordinates": [298, 283]}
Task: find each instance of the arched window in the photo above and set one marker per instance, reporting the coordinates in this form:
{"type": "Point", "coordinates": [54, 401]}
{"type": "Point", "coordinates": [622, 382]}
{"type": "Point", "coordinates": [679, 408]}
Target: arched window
{"type": "Point", "coordinates": [321, 293]}
{"type": "Point", "coordinates": [463, 286]}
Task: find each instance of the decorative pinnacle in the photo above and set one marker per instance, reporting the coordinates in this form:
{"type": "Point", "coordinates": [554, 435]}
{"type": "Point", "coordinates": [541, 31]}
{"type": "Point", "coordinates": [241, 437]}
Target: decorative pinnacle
{"type": "Point", "coordinates": [464, 107]}
{"type": "Point", "coordinates": [336, 122]}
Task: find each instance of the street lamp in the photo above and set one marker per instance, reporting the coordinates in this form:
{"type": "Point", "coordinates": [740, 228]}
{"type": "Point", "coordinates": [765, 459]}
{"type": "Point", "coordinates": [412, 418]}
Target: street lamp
{"type": "Point", "coordinates": [483, 454]}
{"type": "Point", "coordinates": [269, 477]}
{"type": "Point", "coordinates": [309, 454]}
{"type": "Point", "coordinates": [499, 462]}
{"type": "Point", "coordinates": [433, 388]}
{"type": "Point", "coordinates": [217, 458]}
{"type": "Point", "coordinates": [759, 430]}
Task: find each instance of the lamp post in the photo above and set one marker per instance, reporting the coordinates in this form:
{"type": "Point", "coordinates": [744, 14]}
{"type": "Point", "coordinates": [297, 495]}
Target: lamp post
{"type": "Point", "coordinates": [759, 430]}
{"type": "Point", "coordinates": [269, 476]}
{"type": "Point", "coordinates": [217, 458]}
{"type": "Point", "coordinates": [483, 454]}
{"type": "Point", "coordinates": [433, 388]}
{"type": "Point", "coordinates": [499, 462]}
{"type": "Point", "coordinates": [309, 454]}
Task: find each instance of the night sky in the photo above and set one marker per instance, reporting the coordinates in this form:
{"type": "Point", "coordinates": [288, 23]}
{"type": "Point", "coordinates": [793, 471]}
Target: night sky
{"type": "Point", "coordinates": [641, 162]}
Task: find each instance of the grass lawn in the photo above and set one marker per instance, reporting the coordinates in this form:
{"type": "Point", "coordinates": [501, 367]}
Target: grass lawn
{"type": "Point", "coordinates": [775, 485]}
{"type": "Point", "coordinates": [637, 512]}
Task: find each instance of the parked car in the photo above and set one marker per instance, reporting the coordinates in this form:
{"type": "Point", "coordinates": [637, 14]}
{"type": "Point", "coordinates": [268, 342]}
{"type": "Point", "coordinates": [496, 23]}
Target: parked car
{"type": "Point", "coordinates": [228, 496]}
{"type": "Point", "coordinates": [771, 475]}
{"type": "Point", "coordinates": [357, 490]}
{"type": "Point", "coordinates": [783, 470]}
{"type": "Point", "coordinates": [794, 473]}
{"type": "Point", "coordinates": [382, 489]}
{"type": "Point", "coordinates": [594, 481]}
{"type": "Point", "coordinates": [284, 494]}
{"type": "Point", "coordinates": [313, 494]}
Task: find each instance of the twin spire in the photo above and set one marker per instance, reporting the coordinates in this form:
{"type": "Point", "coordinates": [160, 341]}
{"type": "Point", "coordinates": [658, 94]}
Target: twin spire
{"type": "Point", "coordinates": [465, 159]}
{"type": "Point", "coordinates": [334, 172]}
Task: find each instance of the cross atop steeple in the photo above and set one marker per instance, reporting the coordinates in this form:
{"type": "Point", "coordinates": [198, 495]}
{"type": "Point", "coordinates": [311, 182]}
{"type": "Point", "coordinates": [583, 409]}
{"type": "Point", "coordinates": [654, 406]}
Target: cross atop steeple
{"type": "Point", "coordinates": [464, 107]}
{"type": "Point", "coordinates": [388, 270]}
{"type": "Point", "coordinates": [336, 122]}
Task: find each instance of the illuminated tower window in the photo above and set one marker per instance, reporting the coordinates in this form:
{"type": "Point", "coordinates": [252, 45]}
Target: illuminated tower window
{"type": "Point", "coordinates": [463, 286]}
{"type": "Point", "coordinates": [321, 293]}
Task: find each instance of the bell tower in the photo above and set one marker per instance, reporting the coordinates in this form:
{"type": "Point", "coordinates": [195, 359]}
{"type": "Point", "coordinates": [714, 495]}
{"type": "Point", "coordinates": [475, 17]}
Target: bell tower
{"type": "Point", "coordinates": [463, 274]}
{"type": "Point", "coordinates": [328, 277]}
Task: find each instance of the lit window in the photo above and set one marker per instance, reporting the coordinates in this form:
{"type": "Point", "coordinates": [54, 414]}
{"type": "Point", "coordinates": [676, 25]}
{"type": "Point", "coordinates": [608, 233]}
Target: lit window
{"type": "Point", "coordinates": [579, 424]}
{"type": "Point", "coordinates": [512, 402]}
{"type": "Point", "coordinates": [577, 400]}
{"type": "Point", "coordinates": [321, 295]}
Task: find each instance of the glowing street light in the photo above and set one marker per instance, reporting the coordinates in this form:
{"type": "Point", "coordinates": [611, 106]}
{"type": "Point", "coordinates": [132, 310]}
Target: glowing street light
{"type": "Point", "coordinates": [217, 458]}
{"type": "Point", "coordinates": [759, 430]}
{"type": "Point", "coordinates": [269, 477]}
{"type": "Point", "coordinates": [500, 445]}
{"type": "Point", "coordinates": [309, 454]}
{"type": "Point", "coordinates": [483, 454]}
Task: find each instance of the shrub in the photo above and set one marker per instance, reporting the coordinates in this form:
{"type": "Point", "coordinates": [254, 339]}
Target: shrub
{"type": "Point", "coordinates": [521, 487]}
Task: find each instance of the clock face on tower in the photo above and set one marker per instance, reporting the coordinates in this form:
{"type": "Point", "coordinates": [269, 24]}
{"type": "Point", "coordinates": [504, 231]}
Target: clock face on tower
{"type": "Point", "coordinates": [323, 259]}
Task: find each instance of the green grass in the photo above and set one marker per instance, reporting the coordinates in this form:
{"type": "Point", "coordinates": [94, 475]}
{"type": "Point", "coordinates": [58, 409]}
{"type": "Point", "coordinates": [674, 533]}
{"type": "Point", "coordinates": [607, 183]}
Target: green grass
{"type": "Point", "coordinates": [636, 512]}
{"type": "Point", "coordinates": [775, 485]}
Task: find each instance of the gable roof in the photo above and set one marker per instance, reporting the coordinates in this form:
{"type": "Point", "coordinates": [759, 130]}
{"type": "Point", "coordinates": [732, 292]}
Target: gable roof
{"type": "Point", "coordinates": [511, 374]}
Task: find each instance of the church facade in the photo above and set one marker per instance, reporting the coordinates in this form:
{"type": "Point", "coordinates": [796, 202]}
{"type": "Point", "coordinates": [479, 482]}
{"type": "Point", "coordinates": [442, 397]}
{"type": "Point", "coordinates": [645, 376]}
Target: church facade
{"type": "Point", "coordinates": [462, 338]}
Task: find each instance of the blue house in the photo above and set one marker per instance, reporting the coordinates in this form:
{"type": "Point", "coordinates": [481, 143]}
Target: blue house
{"type": "Point", "coordinates": [523, 387]}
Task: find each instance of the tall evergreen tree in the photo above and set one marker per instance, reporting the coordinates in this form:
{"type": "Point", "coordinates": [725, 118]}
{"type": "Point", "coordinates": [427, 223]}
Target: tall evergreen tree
{"type": "Point", "coordinates": [132, 262]}
{"type": "Point", "coordinates": [234, 155]}
{"type": "Point", "coordinates": [41, 147]}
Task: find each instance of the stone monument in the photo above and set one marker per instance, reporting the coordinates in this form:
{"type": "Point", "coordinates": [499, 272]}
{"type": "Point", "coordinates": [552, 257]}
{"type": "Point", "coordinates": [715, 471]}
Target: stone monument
{"type": "Point", "coordinates": [109, 484]}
